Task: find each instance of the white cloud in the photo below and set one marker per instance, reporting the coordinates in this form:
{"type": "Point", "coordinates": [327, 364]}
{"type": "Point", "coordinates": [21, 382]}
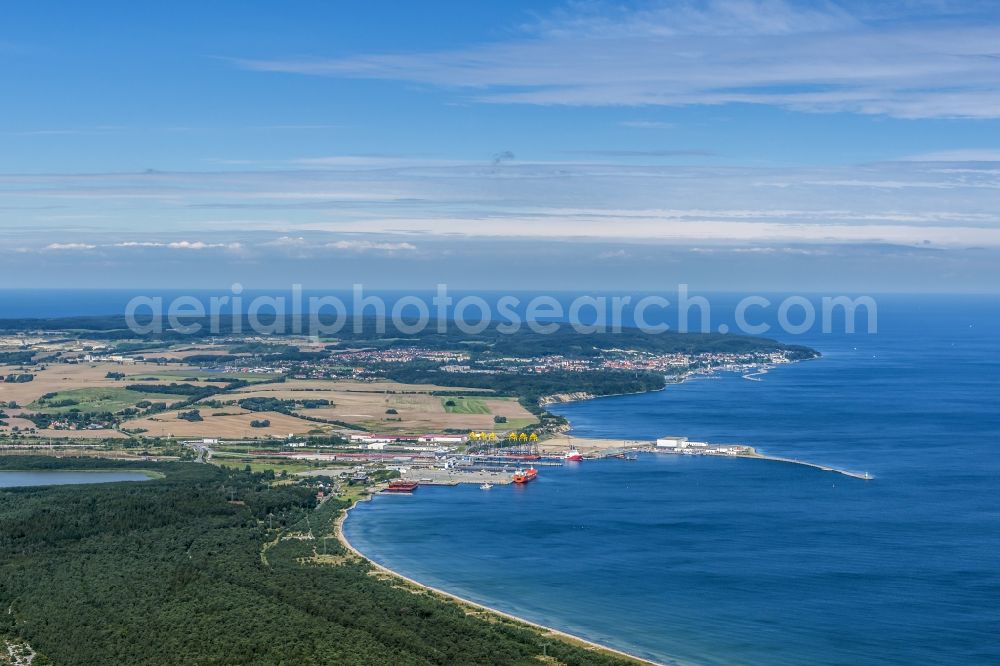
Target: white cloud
{"type": "Point", "coordinates": [819, 58]}
{"type": "Point", "coordinates": [201, 245]}
{"type": "Point", "coordinates": [369, 246]}
{"type": "Point", "coordinates": [178, 245]}
{"type": "Point", "coordinates": [959, 155]}
{"type": "Point", "coordinates": [287, 241]}
{"type": "Point", "coordinates": [69, 246]}
{"type": "Point", "coordinates": [383, 211]}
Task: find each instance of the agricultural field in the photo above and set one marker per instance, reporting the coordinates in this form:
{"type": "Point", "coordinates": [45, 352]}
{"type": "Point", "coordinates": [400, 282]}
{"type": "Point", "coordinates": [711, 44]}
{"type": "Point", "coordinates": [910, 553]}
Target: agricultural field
{"type": "Point", "coordinates": [54, 378]}
{"type": "Point", "coordinates": [232, 426]}
{"type": "Point", "coordinates": [166, 375]}
{"type": "Point", "coordinates": [419, 413]}
{"type": "Point", "coordinates": [383, 406]}
{"type": "Point", "coordinates": [465, 406]}
{"type": "Point", "coordinates": [95, 399]}
{"type": "Point", "coordinates": [59, 377]}
{"type": "Point", "coordinates": [392, 407]}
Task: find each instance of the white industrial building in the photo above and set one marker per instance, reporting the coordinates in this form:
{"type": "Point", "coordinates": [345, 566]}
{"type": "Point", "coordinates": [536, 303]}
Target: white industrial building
{"type": "Point", "coordinates": [679, 443]}
{"type": "Point", "coordinates": [441, 439]}
{"type": "Point", "coordinates": [371, 438]}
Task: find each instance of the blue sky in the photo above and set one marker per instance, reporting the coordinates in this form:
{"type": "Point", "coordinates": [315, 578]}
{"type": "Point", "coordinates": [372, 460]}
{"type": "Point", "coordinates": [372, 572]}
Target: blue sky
{"type": "Point", "coordinates": [730, 144]}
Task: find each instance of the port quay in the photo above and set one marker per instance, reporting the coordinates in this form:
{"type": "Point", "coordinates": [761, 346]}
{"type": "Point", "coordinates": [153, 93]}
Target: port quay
{"type": "Point", "coordinates": [447, 467]}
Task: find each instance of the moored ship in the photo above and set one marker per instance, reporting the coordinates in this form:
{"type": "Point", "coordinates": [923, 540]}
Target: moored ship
{"type": "Point", "coordinates": [573, 456]}
{"type": "Point", "coordinates": [522, 456]}
{"type": "Point", "coordinates": [524, 476]}
{"type": "Point", "coordinates": [401, 486]}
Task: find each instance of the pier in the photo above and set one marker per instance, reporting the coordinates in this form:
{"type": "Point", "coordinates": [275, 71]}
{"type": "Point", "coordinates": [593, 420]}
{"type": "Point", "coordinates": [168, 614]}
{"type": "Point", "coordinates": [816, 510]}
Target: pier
{"type": "Point", "coordinates": [743, 451]}
{"type": "Point", "coordinates": [679, 445]}
{"type": "Point", "coordinates": [864, 476]}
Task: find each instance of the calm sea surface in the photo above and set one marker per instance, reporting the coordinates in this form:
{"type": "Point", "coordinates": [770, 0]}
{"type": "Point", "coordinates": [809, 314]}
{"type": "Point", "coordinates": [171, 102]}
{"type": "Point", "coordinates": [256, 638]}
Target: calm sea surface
{"type": "Point", "coordinates": [716, 561]}
{"type": "Point", "coordinates": [63, 478]}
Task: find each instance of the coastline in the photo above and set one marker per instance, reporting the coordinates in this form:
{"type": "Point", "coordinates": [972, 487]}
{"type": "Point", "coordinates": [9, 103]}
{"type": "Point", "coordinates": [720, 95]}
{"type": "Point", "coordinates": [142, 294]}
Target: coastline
{"type": "Point", "coordinates": [565, 440]}
{"type": "Point", "coordinates": [577, 442]}
{"type": "Point", "coordinates": [461, 601]}
{"type": "Point", "coordinates": [752, 375]}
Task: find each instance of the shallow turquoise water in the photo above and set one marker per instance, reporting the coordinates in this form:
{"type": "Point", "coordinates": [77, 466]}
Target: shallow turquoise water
{"type": "Point", "coordinates": [719, 561]}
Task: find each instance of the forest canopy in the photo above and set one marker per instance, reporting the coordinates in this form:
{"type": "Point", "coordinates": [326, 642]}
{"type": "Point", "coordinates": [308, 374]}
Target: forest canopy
{"type": "Point", "coordinates": [185, 569]}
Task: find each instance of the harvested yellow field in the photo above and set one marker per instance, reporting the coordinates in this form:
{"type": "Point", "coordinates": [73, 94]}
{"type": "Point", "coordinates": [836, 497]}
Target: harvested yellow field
{"type": "Point", "coordinates": [79, 434]}
{"type": "Point", "coordinates": [413, 410]}
{"type": "Point", "coordinates": [54, 378]}
{"type": "Point", "coordinates": [234, 426]}
{"type": "Point", "coordinates": [365, 404]}
{"type": "Point", "coordinates": [418, 413]}
{"type": "Point", "coordinates": [67, 376]}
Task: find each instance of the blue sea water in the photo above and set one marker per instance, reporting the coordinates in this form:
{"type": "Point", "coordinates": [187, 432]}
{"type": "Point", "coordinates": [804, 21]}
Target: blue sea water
{"type": "Point", "coordinates": [721, 561]}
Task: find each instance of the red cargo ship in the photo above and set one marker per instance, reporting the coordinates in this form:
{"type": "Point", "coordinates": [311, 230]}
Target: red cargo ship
{"type": "Point", "coordinates": [525, 476]}
{"type": "Point", "coordinates": [399, 486]}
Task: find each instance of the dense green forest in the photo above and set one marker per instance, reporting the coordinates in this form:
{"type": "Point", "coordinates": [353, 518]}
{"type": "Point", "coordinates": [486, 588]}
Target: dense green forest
{"type": "Point", "coordinates": [186, 570]}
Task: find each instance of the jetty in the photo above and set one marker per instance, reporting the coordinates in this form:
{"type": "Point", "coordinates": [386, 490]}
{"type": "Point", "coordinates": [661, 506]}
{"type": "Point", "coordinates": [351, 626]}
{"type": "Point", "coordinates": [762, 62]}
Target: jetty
{"type": "Point", "coordinates": [864, 476]}
{"type": "Point", "coordinates": [683, 446]}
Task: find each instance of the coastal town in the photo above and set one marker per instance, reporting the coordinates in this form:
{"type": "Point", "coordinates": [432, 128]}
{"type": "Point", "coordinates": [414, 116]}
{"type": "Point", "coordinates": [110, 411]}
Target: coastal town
{"type": "Point", "coordinates": [307, 407]}
{"type": "Point", "coordinates": [313, 359]}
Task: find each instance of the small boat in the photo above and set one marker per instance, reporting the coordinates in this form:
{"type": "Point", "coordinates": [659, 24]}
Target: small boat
{"type": "Point", "coordinates": [573, 456]}
{"type": "Point", "coordinates": [631, 458]}
{"type": "Point", "coordinates": [522, 477]}
{"type": "Point", "coordinates": [486, 486]}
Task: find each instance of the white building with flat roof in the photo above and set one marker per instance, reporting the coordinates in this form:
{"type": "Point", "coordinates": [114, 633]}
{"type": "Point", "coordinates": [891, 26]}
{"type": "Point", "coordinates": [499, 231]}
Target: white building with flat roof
{"type": "Point", "coordinates": [441, 439]}
{"type": "Point", "coordinates": [672, 442]}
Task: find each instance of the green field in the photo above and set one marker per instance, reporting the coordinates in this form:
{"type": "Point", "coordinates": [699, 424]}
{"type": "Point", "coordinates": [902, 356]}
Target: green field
{"type": "Point", "coordinates": [98, 399]}
{"type": "Point", "coordinates": [517, 424]}
{"type": "Point", "coordinates": [258, 465]}
{"type": "Point", "coordinates": [465, 406]}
